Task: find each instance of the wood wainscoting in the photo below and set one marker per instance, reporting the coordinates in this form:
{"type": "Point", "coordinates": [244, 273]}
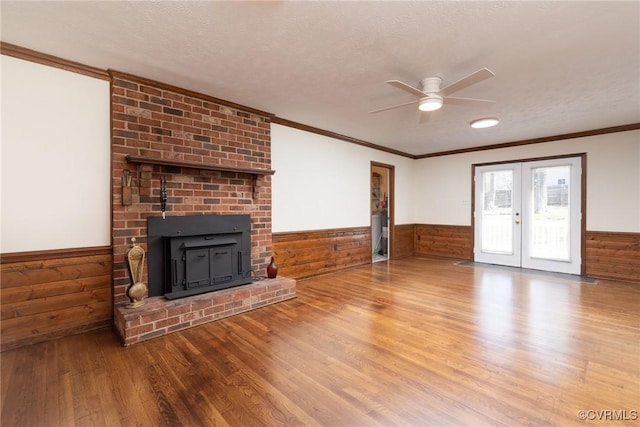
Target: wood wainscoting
{"type": "Point", "coordinates": [613, 255]}
{"type": "Point", "coordinates": [448, 241]}
{"type": "Point", "coordinates": [302, 254]}
{"type": "Point", "coordinates": [403, 241]}
{"type": "Point", "coordinates": [609, 255]}
{"type": "Point", "coordinates": [50, 294]}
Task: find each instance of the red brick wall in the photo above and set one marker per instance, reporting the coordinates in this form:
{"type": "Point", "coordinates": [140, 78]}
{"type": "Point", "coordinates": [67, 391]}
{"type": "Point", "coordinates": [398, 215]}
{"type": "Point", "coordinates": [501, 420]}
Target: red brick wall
{"type": "Point", "coordinates": [155, 120]}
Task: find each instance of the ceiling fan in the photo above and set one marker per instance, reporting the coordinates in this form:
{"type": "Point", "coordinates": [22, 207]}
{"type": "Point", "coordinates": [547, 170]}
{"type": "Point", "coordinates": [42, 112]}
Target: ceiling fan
{"type": "Point", "coordinates": [431, 96]}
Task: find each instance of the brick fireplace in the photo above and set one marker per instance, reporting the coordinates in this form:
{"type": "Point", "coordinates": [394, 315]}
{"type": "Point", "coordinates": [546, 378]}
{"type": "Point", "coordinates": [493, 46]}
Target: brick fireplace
{"type": "Point", "coordinates": [215, 158]}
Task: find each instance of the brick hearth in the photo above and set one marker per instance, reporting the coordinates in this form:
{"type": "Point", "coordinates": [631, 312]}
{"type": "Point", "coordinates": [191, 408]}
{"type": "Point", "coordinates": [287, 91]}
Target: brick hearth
{"type": "Point", "coordinates": [158, 316]}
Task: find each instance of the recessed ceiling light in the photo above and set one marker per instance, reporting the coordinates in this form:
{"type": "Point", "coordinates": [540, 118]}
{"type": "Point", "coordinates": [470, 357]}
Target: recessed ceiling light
{"type": "Point", "coordinates": [484, 123]}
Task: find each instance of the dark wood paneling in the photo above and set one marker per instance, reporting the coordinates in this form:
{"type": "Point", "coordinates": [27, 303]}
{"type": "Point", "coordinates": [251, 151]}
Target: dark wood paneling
{"type": "Point", "coordinates": [612, 255]}
{"type": "Point", "coordinates": [62, 293]}
{"type": "Point", "coordinates": [309, 253]}
{"type": "Point", "coordinates": [450, 241]}
{"type": "Point", "coordinates": [403, 242]}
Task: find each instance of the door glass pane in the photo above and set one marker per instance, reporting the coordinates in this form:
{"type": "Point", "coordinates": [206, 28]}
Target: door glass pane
{"type": "Point", "coordinates": [550, 217]}
{"type": "Point", "coordinates": [497, 212]}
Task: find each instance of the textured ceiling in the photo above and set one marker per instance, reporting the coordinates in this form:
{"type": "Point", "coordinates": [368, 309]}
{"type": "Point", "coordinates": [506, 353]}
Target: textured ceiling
{"type": "Point", "coordinates": [561, 67]}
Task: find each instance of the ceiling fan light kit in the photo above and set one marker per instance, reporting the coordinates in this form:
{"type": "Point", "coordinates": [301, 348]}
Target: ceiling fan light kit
{"type": "Point", "coordinates": [431, 96]}
{"type": "Point", "coordinates": [431, 102]}
{"type": "Point", "coordinates": [486, 122]}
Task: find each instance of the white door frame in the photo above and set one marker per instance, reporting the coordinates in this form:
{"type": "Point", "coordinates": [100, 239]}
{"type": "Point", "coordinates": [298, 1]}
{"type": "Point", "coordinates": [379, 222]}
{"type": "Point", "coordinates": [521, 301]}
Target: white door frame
{"type": "Point", "coordinates": [520, 256]}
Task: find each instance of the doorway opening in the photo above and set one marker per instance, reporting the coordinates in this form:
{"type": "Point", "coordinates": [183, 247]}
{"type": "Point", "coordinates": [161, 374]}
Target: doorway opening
{"type": "Point", "coordinates": [381, 211]}
{"type": "Point", "coordinates": [529, 214]}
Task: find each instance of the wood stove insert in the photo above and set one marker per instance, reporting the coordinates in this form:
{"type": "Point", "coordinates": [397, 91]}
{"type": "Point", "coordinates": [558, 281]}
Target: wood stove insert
{"type": "Point", "coordinates": [194, 254]}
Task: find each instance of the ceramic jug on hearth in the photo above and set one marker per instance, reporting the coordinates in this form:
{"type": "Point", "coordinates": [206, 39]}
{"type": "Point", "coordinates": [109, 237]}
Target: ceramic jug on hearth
{"type": "Point", "coordinates": [272, 269]}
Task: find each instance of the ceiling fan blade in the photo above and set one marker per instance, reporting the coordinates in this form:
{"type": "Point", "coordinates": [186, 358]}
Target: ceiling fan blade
{"type": "Point", "coordinates": [455, 100]}
{"type": "Point", "coordinates": [407, 88]}
{"type": "Point", "coordinates": [393, 106]}
{"type": "Point", "coordinates": [471, 79]}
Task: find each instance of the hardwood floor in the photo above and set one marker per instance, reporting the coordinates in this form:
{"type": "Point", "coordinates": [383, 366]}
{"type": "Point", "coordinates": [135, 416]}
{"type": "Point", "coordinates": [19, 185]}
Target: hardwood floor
{"type": "Point", "coordinates": [408, 342]}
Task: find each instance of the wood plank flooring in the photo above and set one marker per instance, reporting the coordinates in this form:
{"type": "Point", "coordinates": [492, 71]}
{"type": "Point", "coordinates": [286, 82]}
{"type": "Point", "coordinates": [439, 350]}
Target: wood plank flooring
{"type": "Point", "coordinates": [406, 342]}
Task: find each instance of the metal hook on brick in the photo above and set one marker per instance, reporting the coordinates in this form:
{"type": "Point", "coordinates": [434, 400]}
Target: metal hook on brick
{"type": "Point", "coordinates": [163, 195]}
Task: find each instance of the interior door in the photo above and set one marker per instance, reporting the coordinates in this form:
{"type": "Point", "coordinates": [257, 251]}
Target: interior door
{"type": "Point", "coordinates": [528, 214]}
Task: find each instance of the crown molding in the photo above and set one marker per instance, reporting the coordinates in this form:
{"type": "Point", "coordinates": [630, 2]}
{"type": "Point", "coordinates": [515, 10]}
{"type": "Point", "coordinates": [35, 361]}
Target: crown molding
{"type": "Point", "coordinates": [52, 61]}
{"type": "Point", "coordinates": [76, 67]}
{"type": "Point", "coordinates": [307, 128]}
{"type": "Point", "coordinates": [593, 132]}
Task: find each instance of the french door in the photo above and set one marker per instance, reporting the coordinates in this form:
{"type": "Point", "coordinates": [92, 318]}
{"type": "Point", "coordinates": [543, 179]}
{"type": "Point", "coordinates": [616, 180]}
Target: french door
{"type": "Point", "coordinates": [527, 214]}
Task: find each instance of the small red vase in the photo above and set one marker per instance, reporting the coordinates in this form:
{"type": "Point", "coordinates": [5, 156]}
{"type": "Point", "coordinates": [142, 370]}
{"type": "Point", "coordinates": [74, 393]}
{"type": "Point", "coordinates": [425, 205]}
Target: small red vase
{"type": "Point", "coordinates": [272, 269]}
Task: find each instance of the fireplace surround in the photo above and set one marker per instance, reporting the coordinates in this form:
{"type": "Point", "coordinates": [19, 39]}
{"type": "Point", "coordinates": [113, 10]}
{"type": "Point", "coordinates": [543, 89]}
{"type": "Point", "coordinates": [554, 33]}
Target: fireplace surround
{"type": "Point", "coordinates": [215, 158]}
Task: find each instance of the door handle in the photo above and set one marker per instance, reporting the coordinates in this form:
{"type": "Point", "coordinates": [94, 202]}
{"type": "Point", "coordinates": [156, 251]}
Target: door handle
{"type": "Point", "coordinates": [517, 221]}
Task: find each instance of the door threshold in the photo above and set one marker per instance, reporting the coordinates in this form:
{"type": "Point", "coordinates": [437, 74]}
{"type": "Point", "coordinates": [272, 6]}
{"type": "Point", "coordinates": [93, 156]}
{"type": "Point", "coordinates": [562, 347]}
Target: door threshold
{"type": "Point", "coordinates": [566, 276]}
{"type": "Point", "coordinates": [379, 258]}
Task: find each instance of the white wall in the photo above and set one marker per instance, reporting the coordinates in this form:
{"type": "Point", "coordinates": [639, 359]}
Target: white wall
{"type": "Point", "coordinates": [442, 185]}
{"type": "Point", "coordinates": [55, 179]}
{"type": "Point", "coordinates": [55, 159]}
{"type": "Point", "coordinates": [322, 183]}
